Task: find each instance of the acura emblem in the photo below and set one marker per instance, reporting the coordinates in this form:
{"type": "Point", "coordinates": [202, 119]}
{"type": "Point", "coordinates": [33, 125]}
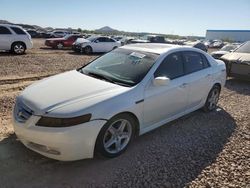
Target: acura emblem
{"type": "Point", "coordinates": [20, 113]}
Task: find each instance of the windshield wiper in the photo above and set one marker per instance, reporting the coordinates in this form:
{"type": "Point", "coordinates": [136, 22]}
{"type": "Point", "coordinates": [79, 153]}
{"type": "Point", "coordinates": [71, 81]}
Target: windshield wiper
{"type": "Point", "coordinates": [100, 76]}
{"type": "Point", "coordinates": [103, 77]}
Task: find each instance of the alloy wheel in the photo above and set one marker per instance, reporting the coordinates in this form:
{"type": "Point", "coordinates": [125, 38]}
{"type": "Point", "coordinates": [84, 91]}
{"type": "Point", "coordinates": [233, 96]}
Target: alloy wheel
{"type": "Point", "coordinates": [19, 49]}
{"type": "Point", "coordinates": [213, 99]}
{"type": "Point", "coordinates": [88, 50]}
{"type": "Point", "coordinates": [60, 46]}
{"type": "Point", "coordinates": [117, 136]}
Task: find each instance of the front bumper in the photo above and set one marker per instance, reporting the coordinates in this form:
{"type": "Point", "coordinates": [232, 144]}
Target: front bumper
{"type": "Point", "coordinates": [76, 47]}
{"type": "Point", "coordinates": [50, 44]}
{"type": "Point", "coordinates": [65, 144]}
{"type": "Point", "coordinates": [29, 44]}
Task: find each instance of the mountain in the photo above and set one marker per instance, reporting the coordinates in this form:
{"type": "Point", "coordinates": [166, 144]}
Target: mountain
{"type": "Point", "coordinates": [106, 29]}
{"type": "Point", "coordinates": [4, 22]}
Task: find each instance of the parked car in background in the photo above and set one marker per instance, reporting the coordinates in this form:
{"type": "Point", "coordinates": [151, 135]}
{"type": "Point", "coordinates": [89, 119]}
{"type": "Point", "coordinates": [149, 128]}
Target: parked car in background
{"type": "Point", "coordinates": [149, 39]}
{"type": "Point", "coordinates": [122, 39]}
{"type": "Point", "coordinates": [14, 38]}
{"type": "Point", "coordinates": [136, 41]}
{"type": "Point", "coordinates": [98, 108]}
{"type": "Point", "coordinates": [77, 45]}
{"type": "Point", "coordinates": [44, 35]}
{"type": "Point", "coordinates": [224, 50]}
{"type": "Point", "coordinates": [238, 62]}
{"type": "Point", "coordinates": [197, 44]}
{"type": "Point", "coordinates": [207, 43]}
{"type": "Point", "coordinates": [95, 44]}
{"type": "Point", "coordinates": [156, 39]}
{"type": "Point", "coordinates": [60, 43]}
{"type": "Point", "coordinates": [33, 33]}
{"type": "Point", "coordinates": [217, 44]}
{"type": "Point", "coordinates": [214, 43]}
{"type": "Point", "coordinates": [118, 38]}
{"type": "Point", "coordinates": [58, 34]}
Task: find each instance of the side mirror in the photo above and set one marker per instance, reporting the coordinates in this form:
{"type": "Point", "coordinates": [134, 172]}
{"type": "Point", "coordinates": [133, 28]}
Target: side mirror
{"type": "Point", "coordinates": [96, 41]}
{"type": "Point", "coordinates": [161, 81]}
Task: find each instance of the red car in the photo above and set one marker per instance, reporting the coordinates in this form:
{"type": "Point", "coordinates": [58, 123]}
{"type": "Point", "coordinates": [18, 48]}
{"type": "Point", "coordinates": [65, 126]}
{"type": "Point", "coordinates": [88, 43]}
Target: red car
{"type": "Point", "coordinates": [59, 43]}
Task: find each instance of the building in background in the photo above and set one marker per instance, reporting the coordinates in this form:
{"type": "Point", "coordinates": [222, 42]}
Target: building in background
{"type": "Point", "coordinates": [228, 35]}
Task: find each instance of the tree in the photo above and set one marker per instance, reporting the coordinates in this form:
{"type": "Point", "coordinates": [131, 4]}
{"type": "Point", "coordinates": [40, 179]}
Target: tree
{"type": "Point", "coordinates": [79, 30]}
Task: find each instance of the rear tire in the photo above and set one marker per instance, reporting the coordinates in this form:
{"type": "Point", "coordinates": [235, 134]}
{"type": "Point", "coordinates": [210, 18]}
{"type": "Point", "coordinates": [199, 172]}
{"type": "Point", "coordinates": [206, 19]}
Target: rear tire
{"type": "Point", "coordinates": [115, 136]}
{"type": "Point", "coordinates": [212, 99]}
{"type": "Point", "coordinates": [18, 48]}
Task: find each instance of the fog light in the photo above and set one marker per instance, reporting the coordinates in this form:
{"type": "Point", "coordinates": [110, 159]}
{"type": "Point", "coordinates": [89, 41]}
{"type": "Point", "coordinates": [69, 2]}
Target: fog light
{"type": "Point", "coordinates": [44, 149]}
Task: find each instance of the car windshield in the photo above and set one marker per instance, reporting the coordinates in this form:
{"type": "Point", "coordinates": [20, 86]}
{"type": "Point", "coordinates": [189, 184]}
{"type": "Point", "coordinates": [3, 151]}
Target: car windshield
{"type": "Point", "coordinates": [228, 48]}
{"type": "Point", "coordinates": [92, 38]}
{"type": "Point", "coordinates": [121, 66]}
{"type": "Point", "coordinates": [245, 48]}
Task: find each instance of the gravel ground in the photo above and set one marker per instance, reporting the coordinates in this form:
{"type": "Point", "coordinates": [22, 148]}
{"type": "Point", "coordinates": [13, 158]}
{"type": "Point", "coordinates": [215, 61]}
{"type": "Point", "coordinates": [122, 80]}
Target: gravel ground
{"type": "Point", "coordinates": [198, 150]}
{"type": "Point", "coordinates": [40, 60]}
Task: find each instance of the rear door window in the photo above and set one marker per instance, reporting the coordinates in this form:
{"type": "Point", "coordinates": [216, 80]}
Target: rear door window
{"type": "Point", "coordinates": [18, 31]}
{"type": "Point", "coordinates": [109, 40]}
{"type": "Point", "coordinates": [194, 61]}
{"type": "Point", "coordinates": [102, 39]}
{"type": "Point", "coordinates": [4, 30]}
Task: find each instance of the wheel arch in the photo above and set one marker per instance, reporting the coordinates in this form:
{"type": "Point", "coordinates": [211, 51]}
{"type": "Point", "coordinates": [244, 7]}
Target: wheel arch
{"type": "Point", "coordinates": [88, 45]}
{"type": "Point", "coordinates": [18, 42]}
{"type": "Point", "coordinates": [131, 114]}
{"type": "Point", "coordinates": [217, 84]}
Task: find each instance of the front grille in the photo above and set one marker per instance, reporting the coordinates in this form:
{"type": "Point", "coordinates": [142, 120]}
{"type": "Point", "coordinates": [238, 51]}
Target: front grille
{"type": "Point", "coordinates": [22, 112]}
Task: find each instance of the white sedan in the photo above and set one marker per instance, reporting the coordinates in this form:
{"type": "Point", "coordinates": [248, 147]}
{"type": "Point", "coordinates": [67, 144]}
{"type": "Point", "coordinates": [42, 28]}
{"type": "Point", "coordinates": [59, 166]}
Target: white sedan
{"type": "Point", "coordinates": [98, 44]}
{"type": "Point", "coordinates": [127, 92]}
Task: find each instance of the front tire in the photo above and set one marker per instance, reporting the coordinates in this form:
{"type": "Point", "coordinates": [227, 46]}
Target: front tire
{"type": "Point", "coordinates": [59, 46]}
{"type": "Point", "coordinates": [18, 48]}
{"type": "Point", "coordinates": [116, 135]}
{"type": "Point", "coordinates": [212, 99]}
{"type": "Point", "coordinates": [88, 50]}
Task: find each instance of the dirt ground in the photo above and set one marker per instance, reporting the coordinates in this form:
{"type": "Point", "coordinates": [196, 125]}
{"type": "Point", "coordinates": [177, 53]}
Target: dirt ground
{"type": "Point", "coordinates": [198, 150]}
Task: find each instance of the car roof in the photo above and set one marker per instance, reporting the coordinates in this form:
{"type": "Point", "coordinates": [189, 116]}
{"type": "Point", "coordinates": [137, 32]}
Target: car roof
{"type": "Point", "coordinates": [153, 47]}
{"type": "Point", "coordinates": [10, 25]}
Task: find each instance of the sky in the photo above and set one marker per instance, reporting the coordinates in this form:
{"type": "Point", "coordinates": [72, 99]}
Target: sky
{"type": "Point", "coordinates": [180, 17]}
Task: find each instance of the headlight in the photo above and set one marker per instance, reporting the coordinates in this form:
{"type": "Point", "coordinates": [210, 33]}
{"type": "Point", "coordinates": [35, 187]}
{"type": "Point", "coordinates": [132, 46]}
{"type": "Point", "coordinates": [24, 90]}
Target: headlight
{"type": "Point", "coordinates": [83, 44]}
{"type": "Point", "coordinates": [63, 122]}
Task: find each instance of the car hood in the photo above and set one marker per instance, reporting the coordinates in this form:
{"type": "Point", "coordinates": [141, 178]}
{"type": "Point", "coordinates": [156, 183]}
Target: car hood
{"type": "Point", "coordinates": [237, 57]}
{"type": "Point", "coordinates": [81, 40]}
{"type": "Point", "coordinates": [220, 52]}
{"type": "Point", "coordinates": [56, 39]}
{"type": "Point", "coordinates": [66, 89]}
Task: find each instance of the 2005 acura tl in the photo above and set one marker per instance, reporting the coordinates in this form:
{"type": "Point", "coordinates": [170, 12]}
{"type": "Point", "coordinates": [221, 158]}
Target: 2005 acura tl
{"type": "Point", "coordinates": [102, 106]}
